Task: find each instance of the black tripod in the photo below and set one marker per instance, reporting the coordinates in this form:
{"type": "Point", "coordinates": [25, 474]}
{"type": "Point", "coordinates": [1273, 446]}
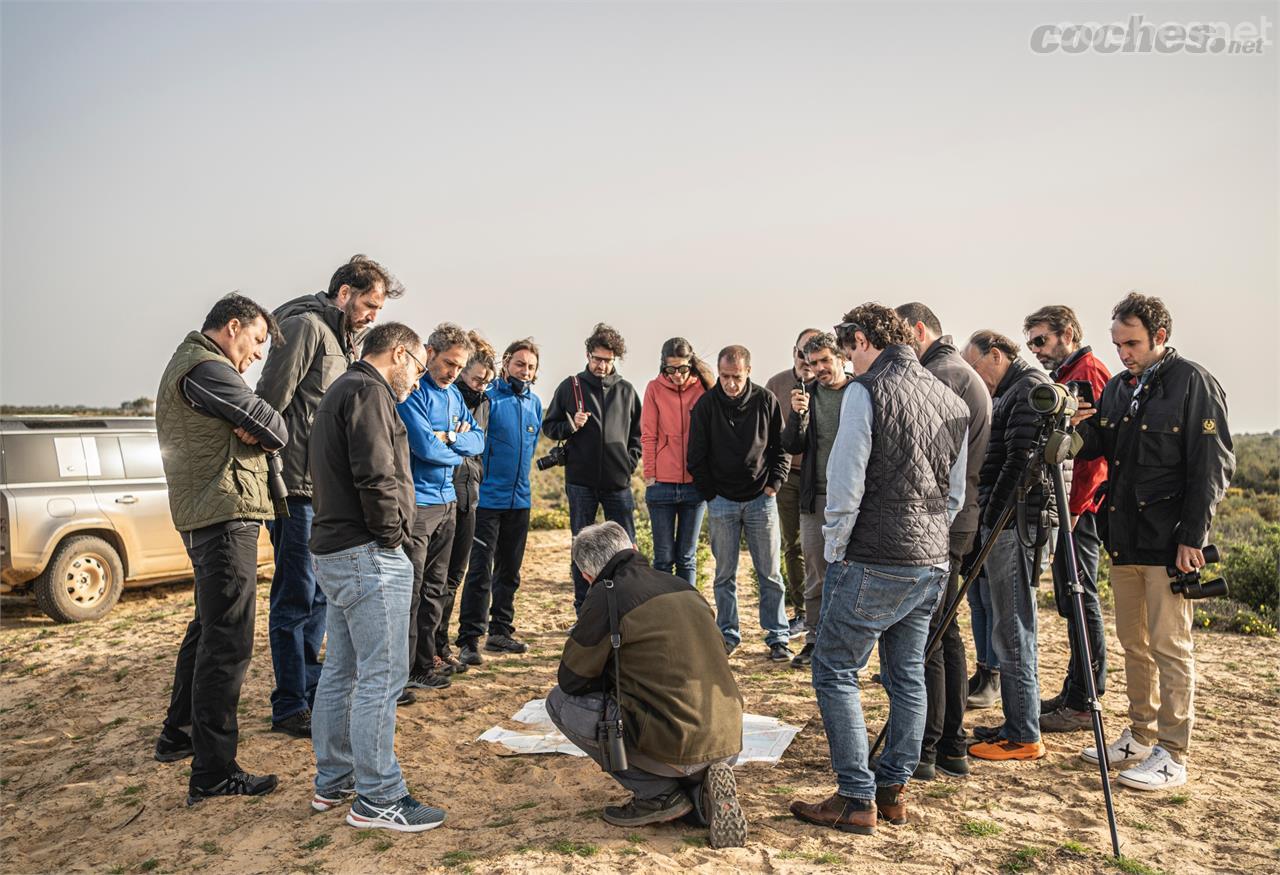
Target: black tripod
{"type": "Point", "coordinates": [1055, 446]}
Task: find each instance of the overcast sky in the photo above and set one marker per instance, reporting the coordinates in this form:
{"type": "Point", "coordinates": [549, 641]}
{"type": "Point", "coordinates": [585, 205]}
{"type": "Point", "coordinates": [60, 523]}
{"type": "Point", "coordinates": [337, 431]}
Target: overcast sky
{"type": "Point", "coordinates": [729, 172]}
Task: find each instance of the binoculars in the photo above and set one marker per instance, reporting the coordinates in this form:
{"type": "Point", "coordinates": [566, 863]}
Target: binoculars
{"type": "Point", "coordinates": [1190, 585]}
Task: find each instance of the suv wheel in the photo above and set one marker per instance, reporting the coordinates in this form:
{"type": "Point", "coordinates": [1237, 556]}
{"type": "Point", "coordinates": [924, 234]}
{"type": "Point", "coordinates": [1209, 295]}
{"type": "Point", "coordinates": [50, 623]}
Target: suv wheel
{"type": "Point", "coordinates": [83, 580]}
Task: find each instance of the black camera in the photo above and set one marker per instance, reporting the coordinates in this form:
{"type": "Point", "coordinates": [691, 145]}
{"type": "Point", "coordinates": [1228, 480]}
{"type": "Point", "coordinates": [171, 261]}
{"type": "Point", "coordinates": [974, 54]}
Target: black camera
{"type": "Point", "coordinates": [613, 748]}
{"type": "Point", "coordinates": [276, 487]}
{"type": "Point", "coordinates": [558, 455]}
{"type": "Point", "coordinates": [1190, 586]}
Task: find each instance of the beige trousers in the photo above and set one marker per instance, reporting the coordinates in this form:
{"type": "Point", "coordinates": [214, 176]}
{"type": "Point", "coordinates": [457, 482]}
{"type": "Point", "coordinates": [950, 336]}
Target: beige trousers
{"type": "Point", "coordinates": [1154, 628]}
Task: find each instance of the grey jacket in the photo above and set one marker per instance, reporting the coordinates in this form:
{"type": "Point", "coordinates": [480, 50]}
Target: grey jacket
{"type": "Point", "coordinates": [317, 349]}
{"type": "Point", "coordinates": [943, 361]}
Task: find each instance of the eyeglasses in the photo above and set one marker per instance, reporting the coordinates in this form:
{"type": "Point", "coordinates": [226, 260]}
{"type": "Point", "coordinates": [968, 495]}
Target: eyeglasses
{"type": "Point", "coordinates": [676, 369]}
{"type": "Point", "coordinates": [599, 360]}
{"type": "Point", "coordinates": [1039, 340]}
{"type": "Point", "coordinates": [422, 369]}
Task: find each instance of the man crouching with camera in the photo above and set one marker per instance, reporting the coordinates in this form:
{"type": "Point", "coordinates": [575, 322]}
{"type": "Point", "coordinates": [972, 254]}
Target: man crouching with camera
{"type": "Point", "coordinates": [1162, 427]}
{"type": "Point", "coordinates": [646, 691]}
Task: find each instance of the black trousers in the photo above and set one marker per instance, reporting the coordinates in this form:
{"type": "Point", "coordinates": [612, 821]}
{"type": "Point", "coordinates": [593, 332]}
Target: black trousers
{"type": "Point", "coordinates": [215, 652]}
{"type": "Point", "coordinates": [1075, 688]}
{"type": "Point", "coordinates": [496, 554]}
{"type": "Point", "coordinates": [946, 677]}
{"type": "Point", "coordinates": [464, 530]}
{"type": "Point", "coordinates": [428, 549]}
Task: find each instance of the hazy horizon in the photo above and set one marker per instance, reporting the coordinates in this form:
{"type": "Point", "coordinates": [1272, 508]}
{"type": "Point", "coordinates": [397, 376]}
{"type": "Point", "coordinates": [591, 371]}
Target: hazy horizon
{"type": "Point", "coordinates": [727, 172]}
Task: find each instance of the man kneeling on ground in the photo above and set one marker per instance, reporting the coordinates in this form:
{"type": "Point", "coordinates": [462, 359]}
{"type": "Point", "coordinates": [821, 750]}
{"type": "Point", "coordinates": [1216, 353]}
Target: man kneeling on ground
{"type": "Point", "coordinates": [680, 706]}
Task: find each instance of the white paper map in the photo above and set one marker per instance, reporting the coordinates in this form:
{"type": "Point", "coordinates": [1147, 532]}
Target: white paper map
{"type": "Point", "coordinates": [764, 739]}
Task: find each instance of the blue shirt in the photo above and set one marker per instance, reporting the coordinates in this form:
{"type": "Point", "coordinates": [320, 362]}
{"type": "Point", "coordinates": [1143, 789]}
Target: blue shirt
{"type": "Point", "coordinates": [427, 410]}
{"type": "Point", "coordinates": [847, 472]}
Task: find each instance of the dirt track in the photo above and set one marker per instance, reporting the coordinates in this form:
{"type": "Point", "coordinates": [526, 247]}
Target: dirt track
{"type": "Point", "coordinates": [80, 707]}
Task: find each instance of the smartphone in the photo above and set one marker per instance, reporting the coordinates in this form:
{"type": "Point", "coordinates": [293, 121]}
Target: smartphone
{"type": "Point", "coordinates": [1083, 390]}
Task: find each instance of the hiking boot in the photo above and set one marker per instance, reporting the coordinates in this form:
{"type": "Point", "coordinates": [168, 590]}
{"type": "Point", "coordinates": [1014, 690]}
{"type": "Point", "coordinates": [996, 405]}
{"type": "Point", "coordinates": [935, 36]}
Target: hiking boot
{"type": "Point", "coordinates": [1048, 706]}
{"type": "Point", "coordinates": [440, 667]}
{"type": "Point", "coordinates": [780, 652]}
{"type": "Point", "coordinates": [975, 679]}
{"type": "Point", "coordinates": [238, 783]}
{"type": "Point", "coordinates": [1159, 771]}
{"type": "Point", "coordinates": [726, 824]}
{"type": "Point", "coordinates": [1124, 751]}
{"type": "Point", "coordinates": [173, 745]}
{"type": "Point", "coordinates": [796, 624]}
{"type": "Point", "coordinates": [455, 665]}
{"type": "Point", "coordinates": [987, 693]}
{"type": "Point", "coordinates": [891, 803]}
{"type": "Point", "coordinates": [1065, 720]}
{"type": "Point", "coordinates": [1003, 749]}
{"type": "Point", "coordinates": [331, 799]}
{"type": "Point", "coordinates": [406, 697]}
{"type": "Point", "coordinates": [954, 767]}
{"type": "Point", "coordinates": [426, 680]}
{"type": "Point", "coordinates": [504, 644]}
{"type": "Point", "coordinates": [804, 658]}
{"type": "Point", "coordinates": [642, 812]}
{"type": "Point", "coordinates": [729, 648]}
{"type": "Point", "coordinates": [468, 655]}
{"type": "Point", "coordinates": [925, 771]}
{"type": "Point", "coordinates": [406, 814]}
{"type": "Point", "coordinates": [298, 725]}
{"type": "Point", "coordinates": [986, 733]}
{"type": "Point", "coordinates": [838, 812]}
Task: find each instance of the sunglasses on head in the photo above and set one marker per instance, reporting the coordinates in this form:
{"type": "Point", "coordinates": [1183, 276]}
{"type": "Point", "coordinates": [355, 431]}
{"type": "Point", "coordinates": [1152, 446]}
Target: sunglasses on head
{"type": "Point", "coordinates": [845, 330]}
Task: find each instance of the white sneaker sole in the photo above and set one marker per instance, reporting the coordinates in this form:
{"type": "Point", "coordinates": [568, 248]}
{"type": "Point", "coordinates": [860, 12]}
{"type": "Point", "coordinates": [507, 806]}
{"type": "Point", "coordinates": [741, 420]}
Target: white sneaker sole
{"type": "Point", "coordinates": [322, 804]}
{"type": "Point", "coordinates": [368, 823]}
{"type": "Point", "coordinates": [1143, 785]}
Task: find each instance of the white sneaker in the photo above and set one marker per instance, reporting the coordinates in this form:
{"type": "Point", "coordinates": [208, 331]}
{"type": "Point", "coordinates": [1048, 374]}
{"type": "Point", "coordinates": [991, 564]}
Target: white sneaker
{"type": "Point", "coordinates": [1124, 751]}
{"type": "Point", "coordinates": [1157, 772]}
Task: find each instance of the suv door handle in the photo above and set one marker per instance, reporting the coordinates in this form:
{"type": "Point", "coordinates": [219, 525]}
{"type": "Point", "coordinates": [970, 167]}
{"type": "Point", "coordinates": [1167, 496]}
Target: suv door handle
{"type": "Point", "coordinates": [127, 499]}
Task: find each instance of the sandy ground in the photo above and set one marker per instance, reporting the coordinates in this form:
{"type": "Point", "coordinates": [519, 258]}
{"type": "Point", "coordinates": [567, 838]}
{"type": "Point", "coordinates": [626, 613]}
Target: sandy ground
{"type": "Point", "coordinates": [79, 791]}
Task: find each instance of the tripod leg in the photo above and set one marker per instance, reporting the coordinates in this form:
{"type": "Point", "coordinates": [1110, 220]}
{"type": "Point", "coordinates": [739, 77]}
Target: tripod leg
{"type": "Point", "coordinates": [1082, 635]}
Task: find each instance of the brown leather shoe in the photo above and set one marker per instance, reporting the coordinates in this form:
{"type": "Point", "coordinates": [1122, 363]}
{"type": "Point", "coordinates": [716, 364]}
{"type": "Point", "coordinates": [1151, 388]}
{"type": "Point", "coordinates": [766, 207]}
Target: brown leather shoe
{"type": "Point", "coordinates": [891, 802]}
{"type": "Point", "coordinates": [838, 812]}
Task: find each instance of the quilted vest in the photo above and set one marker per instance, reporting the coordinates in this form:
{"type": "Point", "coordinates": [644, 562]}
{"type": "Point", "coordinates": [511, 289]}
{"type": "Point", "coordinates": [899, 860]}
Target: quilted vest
{"type": "Point", "coordinates": [918, 426]}
{"type": "Point", "coordinates": [213, 476]}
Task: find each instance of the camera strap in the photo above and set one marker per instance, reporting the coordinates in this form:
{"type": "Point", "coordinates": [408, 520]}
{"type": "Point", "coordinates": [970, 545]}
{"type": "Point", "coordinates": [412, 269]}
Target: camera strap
{"type": "Point", "coordinates": [615, 641]}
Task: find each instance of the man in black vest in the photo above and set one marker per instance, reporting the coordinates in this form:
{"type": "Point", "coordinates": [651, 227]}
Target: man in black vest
{"type": "Point", "coordinates": [597, 415]}
{"type": "Point", "coordinates": [895, 481]}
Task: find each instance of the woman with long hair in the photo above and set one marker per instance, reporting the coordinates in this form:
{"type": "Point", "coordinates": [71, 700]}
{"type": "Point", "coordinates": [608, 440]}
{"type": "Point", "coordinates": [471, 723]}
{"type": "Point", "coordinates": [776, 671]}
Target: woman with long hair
{"type": "Point", "coordinates": [675, 506]}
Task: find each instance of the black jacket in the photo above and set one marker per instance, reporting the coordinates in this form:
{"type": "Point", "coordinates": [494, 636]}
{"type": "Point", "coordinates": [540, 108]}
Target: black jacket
{"type": "Point", "coordinates": [735, 444]}
{"type": "Point", "coordinates": [1169, 464]}
{"type": "Point", "coordinates": [943, 361]}
{"type": "Point", "coordinates": [468, 476]}
{"type": "Point", "coordinates": [797, 438]}
{"type": "Point", "coordinates": [1015, 433]}
{"type": "Point", "coordinates": [361, 481]}
{"type": "Point", "coordinates": [604, 452]}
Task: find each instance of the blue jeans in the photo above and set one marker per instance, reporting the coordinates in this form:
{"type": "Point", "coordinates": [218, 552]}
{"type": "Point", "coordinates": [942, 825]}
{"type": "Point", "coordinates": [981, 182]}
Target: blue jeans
{"type": "Point", "coordinates": [758, 519]}
{"type": "Point", "coordinates": [353, 723]}
{"type": "Point", "coordinates": [1013, 636]}
{"type": "Point", "coordinates": [979, 598]}
{"type": "Point", "coordinates": [619, 507]}
{"type": "Point", "coordinates": [675, 515]}
{"type": "Point", "coordinates": [860, 605]}
{"type": "Point", "coordinates": [295, 625]}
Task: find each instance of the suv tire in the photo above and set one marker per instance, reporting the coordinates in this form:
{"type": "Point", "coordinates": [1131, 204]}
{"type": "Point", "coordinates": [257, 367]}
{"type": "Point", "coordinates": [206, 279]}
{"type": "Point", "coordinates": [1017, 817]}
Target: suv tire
{"type": "Point", "coordinates": [83, 580]}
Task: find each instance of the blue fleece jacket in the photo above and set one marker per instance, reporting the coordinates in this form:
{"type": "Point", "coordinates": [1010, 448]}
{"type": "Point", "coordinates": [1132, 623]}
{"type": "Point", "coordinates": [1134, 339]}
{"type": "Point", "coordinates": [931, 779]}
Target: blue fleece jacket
{"type": "Point", "coordinates": [427, 410]}
{"type": "Point", "coordinates": [514, 423]}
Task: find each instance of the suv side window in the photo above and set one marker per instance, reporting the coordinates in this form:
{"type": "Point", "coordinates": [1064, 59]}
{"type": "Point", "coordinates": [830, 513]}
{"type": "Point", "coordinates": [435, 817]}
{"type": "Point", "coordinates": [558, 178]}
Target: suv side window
{"type": "Point", "coordinates": [30, 458]}
{"type": "Point", "coordinates": [110, 463]}
{"type": "Point", "coordinates": [141, 456]}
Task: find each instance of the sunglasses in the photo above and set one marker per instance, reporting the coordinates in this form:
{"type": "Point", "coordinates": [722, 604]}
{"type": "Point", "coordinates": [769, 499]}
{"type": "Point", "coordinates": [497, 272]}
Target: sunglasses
{"type": "Point", "coordinates": [845, 330]}
{"type": "Point", "coordinates": [1039, 340]}
{"type": "Point", "coordinates": [676, 369]}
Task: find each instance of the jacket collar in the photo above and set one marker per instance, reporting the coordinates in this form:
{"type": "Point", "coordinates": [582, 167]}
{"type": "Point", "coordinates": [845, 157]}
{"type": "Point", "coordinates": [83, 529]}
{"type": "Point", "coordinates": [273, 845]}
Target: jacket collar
{"type": "Point", "coordinates": [1070, 360]}
{"type": "Point", "coordinates": [600, 382]}
{"type": "Point", "coordinates": [611, 568]}
{"type": "Point", "coordinates": [890, 354]}
{"type": "Point", "coordinates": [941, 346]}
{"type": "Point", "coordinates": [1017, 368]}
{"type": "Point", "coordinates": [366, 368]}
{"type": "Point", "coordinates": [739, 403]}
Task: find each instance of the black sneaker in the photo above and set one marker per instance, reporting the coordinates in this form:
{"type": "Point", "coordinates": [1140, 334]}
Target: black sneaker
{"type": "Point", "coordinates": [985, 733]}
{"type": "Point", "coordinates": [404, 815]}
{"type": "Point", "coordinates": [298, 725]}
{"type": "Point", "coordinates": [956, 767]}
{"type": "Point", "coordinates": [780, 652]}
{"type": "Point", "coordinates": [804, 658]}
{"type": "Point", "coordinates": [796, 625]}
{"type": "Point", "coordinates": [1048, 706]}
{"type": "Point", "coordinates": [468, 655]}
{"type": "Point", "coordinates": [452, 665]}
{"type": "Point", "coordinates": [925, 771]}
{"type": "Point", "coordinates": [331, 799]}
{"type": "Point", "coordinates": [726, 824]}
{"type": "Point", "coordinates": [426, 680]}
{"type": "Point", "coordinates": [236, 784]}
{"type": "Point", "coordinates": [642, 812]}
{"type": "Point", "coordinates": [406, 697]}
{"type": "Point", "coordinates": [504, 644]}
{"type": "Point", "coordinates": [729, 648]}
{"type": "Point", "coordinates": [173, 745]}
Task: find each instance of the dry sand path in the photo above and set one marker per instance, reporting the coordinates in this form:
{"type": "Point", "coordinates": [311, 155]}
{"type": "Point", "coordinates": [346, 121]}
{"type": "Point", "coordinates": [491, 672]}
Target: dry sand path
{"type": "Point", "coordinates": [79, 791]}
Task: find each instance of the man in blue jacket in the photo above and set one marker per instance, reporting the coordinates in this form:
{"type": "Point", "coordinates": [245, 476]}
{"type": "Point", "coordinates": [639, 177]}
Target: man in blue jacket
{"type": "Point", "coordinates": [442, 433]}
{"type": "Point", "coordinates": [502, 514]}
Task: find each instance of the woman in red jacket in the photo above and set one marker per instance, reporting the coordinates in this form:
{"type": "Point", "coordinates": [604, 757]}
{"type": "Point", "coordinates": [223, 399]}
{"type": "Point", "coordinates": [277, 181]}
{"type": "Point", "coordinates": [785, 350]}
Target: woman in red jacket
{"type": "Point", "coordinates": [675, 507]}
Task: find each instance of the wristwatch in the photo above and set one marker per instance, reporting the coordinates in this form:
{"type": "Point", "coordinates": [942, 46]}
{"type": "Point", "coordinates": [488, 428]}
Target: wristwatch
{"type": "Point", "coordinates": [451, 437]}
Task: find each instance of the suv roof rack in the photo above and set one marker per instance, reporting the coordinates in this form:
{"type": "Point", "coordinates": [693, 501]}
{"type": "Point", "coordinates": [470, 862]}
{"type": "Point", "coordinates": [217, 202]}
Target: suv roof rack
{"type": "Point", "coordinates": [45, 423]}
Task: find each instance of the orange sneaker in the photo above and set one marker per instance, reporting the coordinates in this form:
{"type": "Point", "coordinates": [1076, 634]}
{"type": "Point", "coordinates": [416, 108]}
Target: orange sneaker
{"type": "Point", "coordinates": [1007, 750]}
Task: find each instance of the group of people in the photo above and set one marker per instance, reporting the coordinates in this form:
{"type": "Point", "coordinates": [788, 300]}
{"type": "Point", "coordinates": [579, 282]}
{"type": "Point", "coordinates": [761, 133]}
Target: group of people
{"type": "Point", "coordinates": [870, 469]}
